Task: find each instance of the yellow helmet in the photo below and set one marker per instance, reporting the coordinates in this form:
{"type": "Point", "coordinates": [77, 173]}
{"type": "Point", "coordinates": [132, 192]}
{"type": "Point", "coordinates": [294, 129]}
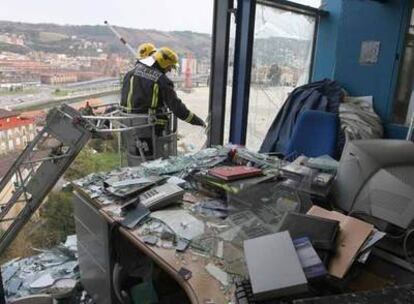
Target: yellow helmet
{"type": "Point", "coordinates": [145, 50]}
{"type": "Point", "coordinates": [166, 57]}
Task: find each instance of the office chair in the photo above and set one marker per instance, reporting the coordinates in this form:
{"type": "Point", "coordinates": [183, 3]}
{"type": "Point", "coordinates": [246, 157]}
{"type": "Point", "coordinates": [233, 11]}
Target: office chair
{"type": "Point", "coordinates": [315, 134]}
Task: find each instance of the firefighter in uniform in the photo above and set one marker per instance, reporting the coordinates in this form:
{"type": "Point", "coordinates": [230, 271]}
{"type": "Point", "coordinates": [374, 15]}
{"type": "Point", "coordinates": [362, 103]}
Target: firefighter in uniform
{"type": "Point", "coordinates": [147, 90]}
{"type": "Point", "coordinates": [145, 50]}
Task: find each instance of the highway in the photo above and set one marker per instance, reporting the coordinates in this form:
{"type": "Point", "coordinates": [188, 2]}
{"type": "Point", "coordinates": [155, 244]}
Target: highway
{"type": "Point", "coordinates": [47, 96]}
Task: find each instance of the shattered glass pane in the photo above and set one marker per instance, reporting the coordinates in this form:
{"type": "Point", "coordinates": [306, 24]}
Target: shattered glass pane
{"type": "Point", "coordinates": [212, 208]}
{"type": "Point", "coordinates": [38, 273]}
{"type": "Point", "coordinates": [245, 156]}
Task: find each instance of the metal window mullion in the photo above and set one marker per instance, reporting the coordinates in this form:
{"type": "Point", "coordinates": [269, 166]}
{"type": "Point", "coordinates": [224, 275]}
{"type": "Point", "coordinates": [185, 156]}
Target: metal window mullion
{"type": "Point", "coordinates": [245, 20]}
{"type": "Point", "coordinates": [219, 69]}
{"type": "Point", "coordinates": [314, 43]}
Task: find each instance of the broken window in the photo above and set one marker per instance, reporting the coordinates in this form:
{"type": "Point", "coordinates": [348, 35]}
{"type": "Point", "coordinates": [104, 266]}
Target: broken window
{"type": "Point", "coordinates": [282, 58]}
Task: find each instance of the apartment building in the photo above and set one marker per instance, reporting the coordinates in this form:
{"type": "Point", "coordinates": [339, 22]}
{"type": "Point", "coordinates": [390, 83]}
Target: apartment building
{"type": "Point", "coordinates": [15, 131]}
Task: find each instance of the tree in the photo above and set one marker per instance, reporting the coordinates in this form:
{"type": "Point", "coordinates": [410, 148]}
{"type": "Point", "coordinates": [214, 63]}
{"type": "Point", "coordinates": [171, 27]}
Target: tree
{"type": "Point", "coordinates": [90, 161]}
{"type": "Point", "coordinates": [22, 245]}
{"type": "Point", "coordinates": [55, 224]}
{"type": "Point", "coordinates": [57, 220]}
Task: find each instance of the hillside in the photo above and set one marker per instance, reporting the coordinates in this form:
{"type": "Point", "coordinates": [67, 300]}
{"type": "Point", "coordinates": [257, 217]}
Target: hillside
{"type": "Point", "coordinates": [86, 39]}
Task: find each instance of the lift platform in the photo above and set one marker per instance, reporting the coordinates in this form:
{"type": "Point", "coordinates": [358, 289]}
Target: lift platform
{"type": "Point", "coordinates": [39, 167]}
{"type": "Point", "coordinates": [45, 159]}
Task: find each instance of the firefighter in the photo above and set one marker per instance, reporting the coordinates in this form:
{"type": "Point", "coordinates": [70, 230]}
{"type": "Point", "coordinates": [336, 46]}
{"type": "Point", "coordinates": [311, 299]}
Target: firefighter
{"type": "Point", "coordinates": [145, 50]}
{"type": "Point", "coordinates": [146, 89]}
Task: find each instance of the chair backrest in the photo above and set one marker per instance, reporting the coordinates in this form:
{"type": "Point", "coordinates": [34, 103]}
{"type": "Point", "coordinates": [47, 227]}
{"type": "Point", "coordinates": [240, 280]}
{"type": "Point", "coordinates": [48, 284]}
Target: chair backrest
{"type": "Point", "coordinates": [315, 134]}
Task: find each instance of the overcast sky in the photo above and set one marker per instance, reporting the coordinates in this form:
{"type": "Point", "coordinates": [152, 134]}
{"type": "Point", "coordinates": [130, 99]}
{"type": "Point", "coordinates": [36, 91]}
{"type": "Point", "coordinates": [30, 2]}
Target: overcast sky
{"type": "Point", "coordinates": [194, 15]}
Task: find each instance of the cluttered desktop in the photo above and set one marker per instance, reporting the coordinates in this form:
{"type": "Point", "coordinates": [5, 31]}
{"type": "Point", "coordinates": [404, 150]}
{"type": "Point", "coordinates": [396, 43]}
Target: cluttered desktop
{"type": "Point", "coordinates": [228, 225]}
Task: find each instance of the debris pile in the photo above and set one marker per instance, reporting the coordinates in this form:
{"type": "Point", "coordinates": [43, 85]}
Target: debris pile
{"type": "Point", "coordinates": [53, 271]}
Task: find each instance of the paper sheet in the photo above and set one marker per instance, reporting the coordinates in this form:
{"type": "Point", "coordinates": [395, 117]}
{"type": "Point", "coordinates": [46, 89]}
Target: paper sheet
{"type": "Point", "coordinates": [218, 274]}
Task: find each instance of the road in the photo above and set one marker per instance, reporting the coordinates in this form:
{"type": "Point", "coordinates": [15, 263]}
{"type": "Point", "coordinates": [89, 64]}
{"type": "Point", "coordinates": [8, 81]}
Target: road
{"type": "Point", "coordinates": [46, 96]}
{"type": "Point", "coordinates": [265, 102]}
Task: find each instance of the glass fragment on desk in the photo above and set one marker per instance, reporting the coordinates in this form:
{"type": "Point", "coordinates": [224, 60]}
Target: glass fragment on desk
{"type": "Point", "coordinates": [176, 181]}
{"type": "Point", "coordinates": [205, 244]}
{"type": "Point", "coordinates": [233, 258]}
{"type": "Point", "coordinates": [167, 166]}
{"type": "Point", "coordinates": [244, 225]}
{"type": "Point", "coordinates": [181, 222]}
{"type": "Point", "coordinates": [113, 210]}
{"type": "Point", "coordinates": [190, 198]}
{"type": "Point", "coordinates": [230, 234]}
{"type": "Point", "coordinates": [242, 217]}
{"type": "Point", "coordinates": [254, 229]}
{"type": "Point", "coordinates": [270, 201]}
{"type": "Point", "coordinates": [218, 274]}
{"type": "Point", "coordinates": [244, 156]}
{"type": "Point", "coordinates": [151, 227]}
{"type": "Point", "coordinates": [184, 164]}
{"type": "Point", "coordinates": [306, 186]}
{"type": "Point", "coordinates": [124, 188]}
{"type": "Point", "coordinates": [117, 182]}
{"type": "Point", "coordinates": [212, 208]}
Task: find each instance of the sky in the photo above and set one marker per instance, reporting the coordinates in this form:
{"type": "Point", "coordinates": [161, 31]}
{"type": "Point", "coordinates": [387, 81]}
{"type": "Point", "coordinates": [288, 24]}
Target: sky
{"type": "Point", "coordinates": [167, 15]}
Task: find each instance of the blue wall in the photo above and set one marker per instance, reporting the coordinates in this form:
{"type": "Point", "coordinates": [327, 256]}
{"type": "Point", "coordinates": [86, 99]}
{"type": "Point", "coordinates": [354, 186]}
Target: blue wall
{"type": "Point", "coordinates": [339, 44]}
{"type": "Point", "coordinates": [327, 41]}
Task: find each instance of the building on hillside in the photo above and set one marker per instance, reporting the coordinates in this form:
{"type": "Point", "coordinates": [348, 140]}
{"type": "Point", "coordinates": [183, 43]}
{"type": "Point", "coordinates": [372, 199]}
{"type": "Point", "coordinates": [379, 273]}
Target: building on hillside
{"type": "Point", "coordinates": [15, 131]}
{"type": "Point", "coordinates": [87, 75]}
{"type": "Point", "coordinates": [6, 161]}
{"type": "Point", "coordinates": [188, 64]}
{"type": "Point", "coordinates": [25, 66]}
{"type": "Point", "coordinates": [203, 67]}
{"type": "Point", "coordinates": [58, 78]}
{"type": "Point", "coordinates": [12, 39]}
{"type": "Point", "coordinates": [39, 116]}
{"type": "Point", "coordinates": [12, 79]}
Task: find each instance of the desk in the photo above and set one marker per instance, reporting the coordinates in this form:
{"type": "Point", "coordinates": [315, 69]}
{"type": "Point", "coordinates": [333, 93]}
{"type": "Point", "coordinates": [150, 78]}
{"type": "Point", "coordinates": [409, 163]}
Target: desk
{"type": "Point", "coordinates": [201, 288]}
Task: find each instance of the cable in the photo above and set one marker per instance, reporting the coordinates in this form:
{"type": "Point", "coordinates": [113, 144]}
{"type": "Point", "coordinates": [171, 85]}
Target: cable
{"type": "Point", "coordinates": [396, 237]}
{"type": "Point", "coordinates": [407, 236]}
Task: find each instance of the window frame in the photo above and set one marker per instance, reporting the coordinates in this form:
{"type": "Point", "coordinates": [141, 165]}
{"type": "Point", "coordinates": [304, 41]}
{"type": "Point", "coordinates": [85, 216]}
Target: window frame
{"type": "Point", "coordinates": [400, 55]}
{"type": "Point", "coordinates": [243, 58]}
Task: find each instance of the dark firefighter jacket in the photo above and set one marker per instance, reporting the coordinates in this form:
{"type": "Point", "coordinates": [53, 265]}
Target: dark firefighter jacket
{"type": "Point", "coordinates": [148, 90]}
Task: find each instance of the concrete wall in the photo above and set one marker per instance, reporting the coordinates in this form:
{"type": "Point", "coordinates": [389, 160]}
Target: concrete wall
{"type": "Point", "coordinates": [339, 44]}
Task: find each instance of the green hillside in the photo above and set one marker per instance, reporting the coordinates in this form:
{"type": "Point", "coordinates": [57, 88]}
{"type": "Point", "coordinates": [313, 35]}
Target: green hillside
{"type": "Point", "coordinates": [71, 39]}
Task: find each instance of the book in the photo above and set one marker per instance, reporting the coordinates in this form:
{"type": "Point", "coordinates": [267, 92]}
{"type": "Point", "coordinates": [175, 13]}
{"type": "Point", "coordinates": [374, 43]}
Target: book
{"type": "Point", "coordinates": [233, 173]}
{"type": "Point", "coordinates": [309, 259]}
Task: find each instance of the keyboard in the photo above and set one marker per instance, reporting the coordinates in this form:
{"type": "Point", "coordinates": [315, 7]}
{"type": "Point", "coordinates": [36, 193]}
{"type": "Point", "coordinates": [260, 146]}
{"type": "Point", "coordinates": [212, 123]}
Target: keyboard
{"type": "Point", "coordinates": [243, 292]}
